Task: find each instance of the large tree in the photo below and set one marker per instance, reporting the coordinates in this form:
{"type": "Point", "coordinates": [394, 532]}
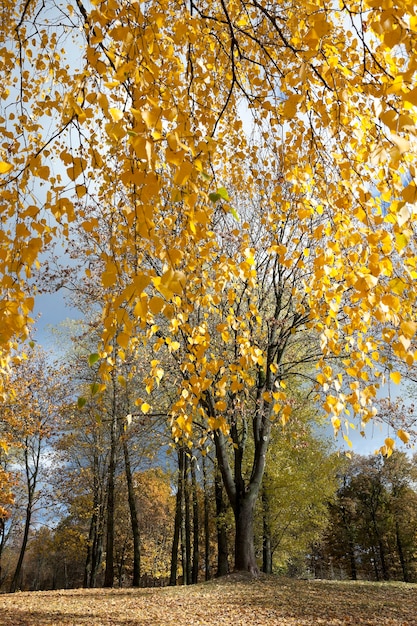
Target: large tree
{"type": "Point", "coordinates": [150, 119]}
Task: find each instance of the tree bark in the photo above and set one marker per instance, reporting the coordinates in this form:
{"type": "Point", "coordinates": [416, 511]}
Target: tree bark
{"type": "Point", "coordinates": [207, 569]}
{"type": "Point", "coordinates": [31, 482]}
{"type": "Point", "coordinates": [196, 525]}
{"type": "Point", "coordinates": [187, 523]}
{"type": "Point", "coordinates": [178, 520]}
{"type": "Point", "coordinates": [266, 540]}
{"type": "Point", "coordinates": [245, 558]}
{"type": "Point", "coordinates": [133, 517]}
{"type": "Point", "coordinates": [95, 536]}
{"type": "Point", "coordinates": [109, 571]}
{"type": "Point", "coordinates": [222, 545]}
{"type": "Point", "coordinates": [16, 576]}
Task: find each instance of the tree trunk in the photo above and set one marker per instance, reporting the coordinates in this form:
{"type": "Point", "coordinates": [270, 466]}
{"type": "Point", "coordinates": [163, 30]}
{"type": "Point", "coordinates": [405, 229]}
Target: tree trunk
{"type": "Point", "coordinates": [207, 575]}
{"type": "Point", "coordinates": [375, 563]}
{"type": "Point", "coordinates": [109, 571]}
{"type": "Point", "coordinates": [2, 533]}
{"type": "Point", "coordinates": [187, 522]}
{"type": "Point", "coordinates": [16, 576]}
{"type": "Point", "coordinates": [266, 542]}
{"type": "Point", "coordinates": [196, 525]}
{"type": "Point", "coordinates": [242, 492]}
{"type": "Point", "coordinates": [178, 520]}
{"type": "Point", "coordinates": [244, 542]}
{"type": "Point", "coordinates": [89, 556]}
{"type": "Point", "coordinates": [97, 549]}
{"type": "Point", "coordinates": [95, 535]}
{"type": "Point", "coordinates": [133, 518]}
{"type": "Point", "coordinates": [352, 560]}
{"type": "Point", "coordinates": [31, 482]}
{"type": "Point", "coordinates": [222, 546]}
{"type": "Point", "coordinates": [94, 547]}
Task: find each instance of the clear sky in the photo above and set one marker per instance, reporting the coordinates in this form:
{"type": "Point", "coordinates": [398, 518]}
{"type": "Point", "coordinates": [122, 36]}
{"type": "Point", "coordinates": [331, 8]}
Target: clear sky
{"type": "Point", "coordinates": [50, 310]}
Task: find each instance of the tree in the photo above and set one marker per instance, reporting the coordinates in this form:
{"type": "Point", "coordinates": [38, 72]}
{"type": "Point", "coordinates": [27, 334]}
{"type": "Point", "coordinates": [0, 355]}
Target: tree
{"type": "Point", "coordinates": [150, 123]}
{"type": "Point", "coordinates": [31, 414]}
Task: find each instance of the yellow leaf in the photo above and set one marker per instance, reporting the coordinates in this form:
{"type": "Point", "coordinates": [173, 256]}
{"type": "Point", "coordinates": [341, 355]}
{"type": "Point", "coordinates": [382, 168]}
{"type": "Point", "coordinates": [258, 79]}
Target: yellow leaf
{"type": "Point", "coordinates": [156, 304]}
{"type": "Point", "coordinates": [145, 407]}
{"type": "Point", "coordinates": [397, 285]}
{"type": "Point", "coordinates": [395, 377]}
{"type": "Point", "coordinates": [348, 441]}
{"type": "Point", "coordinates": [185, 424]}
{"type": "Point", "coordinates": [5, 167]}
{"type": "Point", "coordinates": [403, 435]}
{"type": "Point", "coordinates": [123, 340]}
{"type": "Point", "coordinates": [183, 173]}
{"type": "Point", "coordinates": [390, 443]}
{"type": "Point", "coordinates": [108, 279]}
{"type": "Point", "coordinates": [409, 329]}
{"type": "Point", "coordinates": [411, 97]}
{"type": "Point", "coordinates": [77, 167]}
{"type": "Point", "coordinates": [221, 405]}
{"type": "Point", "coordinates": [116, 114]}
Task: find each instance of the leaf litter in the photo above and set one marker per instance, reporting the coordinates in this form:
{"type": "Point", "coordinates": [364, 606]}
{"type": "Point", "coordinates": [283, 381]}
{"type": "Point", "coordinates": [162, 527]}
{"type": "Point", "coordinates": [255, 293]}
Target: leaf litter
{"type": "Point", "coordinates": [236, 599]}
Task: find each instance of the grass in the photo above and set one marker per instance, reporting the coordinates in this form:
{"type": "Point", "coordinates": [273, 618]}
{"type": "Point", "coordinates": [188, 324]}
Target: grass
{"type": "Point", "coordinates": [236, 599]}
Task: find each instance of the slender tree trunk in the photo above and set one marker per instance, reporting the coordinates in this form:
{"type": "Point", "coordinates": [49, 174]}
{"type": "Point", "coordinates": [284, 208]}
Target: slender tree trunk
{"type": "Point", "coordinates": [207, 570]}
{"type": "Point", "coordinates": [2, 544]}
{"type": "Point", "coordinates": [196, 525]}
{"type": "Point", "coordinates": [178, 520]}
{"type": "Point", "coordinates": [352, 560]}
{"type": "Point", "coordinates": [109, 571]}
{"type": "Point", "coordinates": [187, 522]}
{"type": "Point", "coordinates": [97, 548]}
{"type": "Point", "coordinates": [31, 482]}
{"type": "Point", "coordinates": [222, 545]}
{"type": "Point", "coordinates": [266, 541]}
{"type": "Point", "coordinates": [95, 535]}
{"type": "Point", "coordinates": [133, 518]}
{"type": "Point", "coordinates": [375, 563]}
{"type": "Point", "coordinates": [16, 576]}
{"type": "Point", "coordinates": [89, 557]}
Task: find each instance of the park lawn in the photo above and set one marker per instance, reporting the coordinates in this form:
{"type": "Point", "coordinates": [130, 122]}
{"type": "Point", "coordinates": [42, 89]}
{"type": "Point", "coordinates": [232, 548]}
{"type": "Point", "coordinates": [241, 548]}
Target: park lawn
{"type": "Point", "coordinates": [236, 599]}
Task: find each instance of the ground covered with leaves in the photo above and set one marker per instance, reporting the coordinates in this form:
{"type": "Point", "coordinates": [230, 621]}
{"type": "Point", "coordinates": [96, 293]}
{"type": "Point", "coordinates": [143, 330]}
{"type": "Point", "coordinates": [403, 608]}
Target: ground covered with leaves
{"type": "Point", "coordinates": [237, 600]}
